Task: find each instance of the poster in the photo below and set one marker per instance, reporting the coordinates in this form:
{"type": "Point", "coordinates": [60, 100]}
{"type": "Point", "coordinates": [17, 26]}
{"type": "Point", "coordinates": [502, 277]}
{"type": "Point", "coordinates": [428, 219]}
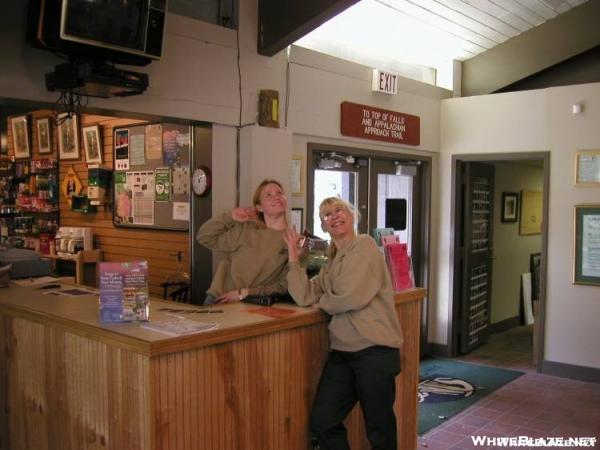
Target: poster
{"type": "Point", "coordinates": [124, 291]}
{"type": "Point", "coordinates": [171, 151]}
{"type": "Point", "coordinates": [181, 180]}
{"type": "Point", "coordinates": [162, 184]}
{"type": "Point", "coordinates": [123, 210]}
{"type": "Point", "coordinates": [154, 141]}
{"type": "Point", "coordinates": [137, 151]}
{"type": "Point", "coordinates": [181, 211]}
{"type": "Point", "coordinates": [142, 189]}
{"type": "Point", "coordinates": [121, 149]}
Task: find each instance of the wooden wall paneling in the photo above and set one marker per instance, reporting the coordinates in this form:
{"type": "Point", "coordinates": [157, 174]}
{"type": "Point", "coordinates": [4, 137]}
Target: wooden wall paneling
{"type": "Point", "coordinates": [64, 386]}
{"type": "Point", "coordinates": [118, 244]}
{"type": "Point", "coordinates": [159, 248]}
{"type": "Point", "coordinates": [253, 393]}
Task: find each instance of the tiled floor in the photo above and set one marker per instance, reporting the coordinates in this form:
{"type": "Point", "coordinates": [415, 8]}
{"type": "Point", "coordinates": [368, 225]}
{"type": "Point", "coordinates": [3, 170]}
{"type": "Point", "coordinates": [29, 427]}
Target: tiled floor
{"type": "Point", "coordinates": [533, 405]}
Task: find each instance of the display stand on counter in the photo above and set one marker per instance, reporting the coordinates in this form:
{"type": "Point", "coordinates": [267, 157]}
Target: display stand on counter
{"type": "Point", "coordinates": [83, 265]}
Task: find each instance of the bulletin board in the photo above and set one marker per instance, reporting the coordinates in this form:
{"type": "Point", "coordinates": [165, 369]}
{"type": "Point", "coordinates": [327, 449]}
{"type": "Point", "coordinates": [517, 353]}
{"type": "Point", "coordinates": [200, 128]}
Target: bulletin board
{"type": "Point", "coordinates": [151, 182]}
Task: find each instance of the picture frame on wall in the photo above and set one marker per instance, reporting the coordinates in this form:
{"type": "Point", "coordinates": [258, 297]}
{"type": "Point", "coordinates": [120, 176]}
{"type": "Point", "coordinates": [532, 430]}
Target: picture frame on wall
{"type": "Point", "coordinates": [296, 180]}
{"type": "Point", "coordinates": [297, 219]}
{"type": "Point", "coordinates": [535, 264]}
{"type": "Point", "coordinates": [92, 144]}
{"type": "Point", "coordinates": [587, 168]}
{"type": "Point", "coordinates": [44, 135]}
{"type": "Point", "coordinates": [510, 207]}
{"type": "Point", "coordinates": [530, 220]}
{"type": "Point", "coordinates": [20, 136]}
{"type": "Point", "coordinates": [586, 262]}
{"type": "Point", "coordinates": [68, 136]}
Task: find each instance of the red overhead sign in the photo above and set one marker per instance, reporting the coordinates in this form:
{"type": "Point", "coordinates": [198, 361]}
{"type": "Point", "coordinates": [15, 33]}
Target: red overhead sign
{"type": "Point", "coordinates": [367, 122]}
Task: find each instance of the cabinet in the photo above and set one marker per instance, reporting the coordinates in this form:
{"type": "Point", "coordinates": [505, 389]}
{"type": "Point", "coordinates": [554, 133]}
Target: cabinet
{"type": "Point", "coordinates": [36, 202]}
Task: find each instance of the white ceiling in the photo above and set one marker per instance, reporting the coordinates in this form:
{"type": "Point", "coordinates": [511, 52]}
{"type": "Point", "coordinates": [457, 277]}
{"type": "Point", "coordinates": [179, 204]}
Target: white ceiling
{"type": "Point", "coordinates": [430, 33]}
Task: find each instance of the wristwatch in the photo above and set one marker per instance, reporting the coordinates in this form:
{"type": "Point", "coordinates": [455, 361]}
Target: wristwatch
{"type": "Point", "coordinates": [240, 295]}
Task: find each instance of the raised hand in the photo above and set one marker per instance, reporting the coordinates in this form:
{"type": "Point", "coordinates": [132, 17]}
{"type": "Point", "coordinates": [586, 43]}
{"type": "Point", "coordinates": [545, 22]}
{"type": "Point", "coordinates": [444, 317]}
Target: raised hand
{"type": "Point", "coordinates": [243, 214]}
{"type": "Point", "coordinates": [292, 238]}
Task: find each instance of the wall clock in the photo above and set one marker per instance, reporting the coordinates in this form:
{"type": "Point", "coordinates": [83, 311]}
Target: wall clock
{"type": "Point", "coordinates": [201, 181]}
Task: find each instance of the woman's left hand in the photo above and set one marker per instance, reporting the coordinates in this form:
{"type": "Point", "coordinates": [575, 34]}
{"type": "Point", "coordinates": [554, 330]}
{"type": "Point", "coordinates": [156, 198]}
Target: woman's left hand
{"type": "Point", "coordinates": [229, 297]}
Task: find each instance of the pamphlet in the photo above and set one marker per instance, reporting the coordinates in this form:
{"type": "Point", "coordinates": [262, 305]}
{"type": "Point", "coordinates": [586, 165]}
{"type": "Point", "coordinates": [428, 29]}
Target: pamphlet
{"type": "Point", "coordinates": [399, 265]}
{"type": "Point", "coordinates": [124, 291]}
{"type": "Point", "coordinates": [179, 327]}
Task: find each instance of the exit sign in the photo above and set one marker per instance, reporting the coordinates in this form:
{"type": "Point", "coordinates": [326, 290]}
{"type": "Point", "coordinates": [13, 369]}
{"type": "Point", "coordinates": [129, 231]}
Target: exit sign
{"type": "Point", "coordinates": [385, 82]}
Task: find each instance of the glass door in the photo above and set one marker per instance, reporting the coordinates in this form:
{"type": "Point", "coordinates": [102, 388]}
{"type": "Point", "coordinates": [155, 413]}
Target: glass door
{"type": "Point", "coordinates": [340, 176]}
{"type": "Point", "coordinates": [394, 192]}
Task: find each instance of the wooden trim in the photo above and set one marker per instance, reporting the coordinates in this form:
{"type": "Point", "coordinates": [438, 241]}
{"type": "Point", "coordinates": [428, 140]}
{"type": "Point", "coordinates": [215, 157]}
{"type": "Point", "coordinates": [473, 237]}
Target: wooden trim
{"type": "Point", "coordinates": [506, 324]}
{"type": "Point", "coordinates": [572, 371]}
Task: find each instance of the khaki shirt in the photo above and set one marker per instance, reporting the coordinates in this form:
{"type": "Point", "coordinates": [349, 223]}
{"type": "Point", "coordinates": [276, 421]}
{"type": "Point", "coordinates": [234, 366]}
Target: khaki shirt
{"type": "Point", "coordinates": [355, 288]}
{"type": "Point", "coordinates": [255, 257]}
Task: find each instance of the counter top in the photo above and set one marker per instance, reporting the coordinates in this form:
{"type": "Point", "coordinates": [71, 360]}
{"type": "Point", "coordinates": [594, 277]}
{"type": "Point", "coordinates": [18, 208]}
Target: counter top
{"type": "Point", "coordinates": [80, 315]}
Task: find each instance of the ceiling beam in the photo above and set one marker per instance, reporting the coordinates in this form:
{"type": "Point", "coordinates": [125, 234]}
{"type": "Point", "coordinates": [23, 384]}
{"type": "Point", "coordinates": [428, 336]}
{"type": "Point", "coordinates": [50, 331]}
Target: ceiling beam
{"type": "Point", "coordinates": [539, 48]}
{"type": "Point", "coordinates": [283, 22]}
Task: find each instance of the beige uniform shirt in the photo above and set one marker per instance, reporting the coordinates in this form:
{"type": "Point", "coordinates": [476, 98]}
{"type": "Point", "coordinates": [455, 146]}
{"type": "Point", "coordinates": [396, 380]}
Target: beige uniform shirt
{"type": "Point", "coordinates": [256, 258]}
{"type": "Point", "coordinates": [355, 288]}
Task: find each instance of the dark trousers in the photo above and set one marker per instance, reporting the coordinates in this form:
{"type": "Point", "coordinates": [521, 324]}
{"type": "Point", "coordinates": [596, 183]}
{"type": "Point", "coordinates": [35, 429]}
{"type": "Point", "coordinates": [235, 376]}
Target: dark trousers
{"type": "Point", "coordinates": [367, 376]}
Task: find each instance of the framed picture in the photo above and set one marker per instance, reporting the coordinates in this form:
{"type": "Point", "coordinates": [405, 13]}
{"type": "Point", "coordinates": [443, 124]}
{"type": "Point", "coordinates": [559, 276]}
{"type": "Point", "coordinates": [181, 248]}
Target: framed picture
{"type": "Point", "coordinates": [20, 136]}
{"type": "Point", "coordinates": [44, 135]}
{"type": "Point", "coordinates": [587, 245]}
{"type": "Point", "coordinates": [530, 221]}
{"type": "Point", "coordinates": [296, 186]}
{"type": "Point", "coordinates": [587, 167]}
{"type": "Point", "coordinates": [68, 136]}
{"type": "Point", "coordinates": [92, 143]}
{"type": "Point", "coordinates": [510, 207]}
{"type": "Point", "coordinates": [297, 219]}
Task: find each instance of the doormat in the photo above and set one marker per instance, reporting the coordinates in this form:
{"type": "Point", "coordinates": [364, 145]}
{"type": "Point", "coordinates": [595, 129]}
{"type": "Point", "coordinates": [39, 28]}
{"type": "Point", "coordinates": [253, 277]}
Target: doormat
{"type": "Point", "coordinates": [446, 387]}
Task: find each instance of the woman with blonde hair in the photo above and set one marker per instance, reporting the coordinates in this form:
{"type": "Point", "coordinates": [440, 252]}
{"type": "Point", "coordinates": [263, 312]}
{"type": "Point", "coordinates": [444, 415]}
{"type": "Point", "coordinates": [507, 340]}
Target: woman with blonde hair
{"type": "Point", "coordinates": [354, 287]}
{"type": "Point", "coordinates": [252, 240]}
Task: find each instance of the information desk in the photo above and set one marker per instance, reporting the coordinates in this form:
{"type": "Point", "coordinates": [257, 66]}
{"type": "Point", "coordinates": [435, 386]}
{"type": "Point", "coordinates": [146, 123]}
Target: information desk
{"type": "Point", "coordinates": [69, 382]}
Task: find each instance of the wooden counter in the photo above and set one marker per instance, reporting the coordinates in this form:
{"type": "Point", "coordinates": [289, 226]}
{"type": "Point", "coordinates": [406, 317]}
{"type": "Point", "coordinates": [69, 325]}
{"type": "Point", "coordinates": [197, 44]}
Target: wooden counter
{"type": "Point", "coordinates": [69, 382]}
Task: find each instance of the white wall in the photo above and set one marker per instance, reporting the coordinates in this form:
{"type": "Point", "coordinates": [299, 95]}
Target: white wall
{"type": "Point", "coordinates": [511, 250]}
{"type": "Point", "coordinates": [532, 121]}
{"type": "Point", "coordinates": [197, 77]}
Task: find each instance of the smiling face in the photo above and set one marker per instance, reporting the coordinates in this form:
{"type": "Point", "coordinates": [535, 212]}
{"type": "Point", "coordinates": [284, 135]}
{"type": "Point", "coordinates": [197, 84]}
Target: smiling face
{"type": "Point", "coordinates": [337, 219]}
{"type": "Point", "coordinates": [271, 200]}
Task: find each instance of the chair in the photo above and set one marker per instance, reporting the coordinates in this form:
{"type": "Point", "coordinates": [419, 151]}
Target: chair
{"type": "Point", "coordinates": [177, 291]}
{"type": "Point", "coordinates": [176, 285]}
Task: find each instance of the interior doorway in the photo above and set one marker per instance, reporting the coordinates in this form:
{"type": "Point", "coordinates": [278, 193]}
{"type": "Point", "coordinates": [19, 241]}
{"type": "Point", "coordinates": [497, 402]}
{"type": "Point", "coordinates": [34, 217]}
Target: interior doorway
{"type": "Point", "coordinates": [500, 204]}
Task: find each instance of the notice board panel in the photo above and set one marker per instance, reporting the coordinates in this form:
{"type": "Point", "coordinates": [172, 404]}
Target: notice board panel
{"type": "Point", "coordinates": [152, 176]}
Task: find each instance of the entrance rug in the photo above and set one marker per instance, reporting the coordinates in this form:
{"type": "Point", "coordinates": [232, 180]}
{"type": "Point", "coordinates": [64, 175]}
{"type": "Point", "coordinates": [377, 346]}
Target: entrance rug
{"type": "Point", "coordinates": [446, 387]}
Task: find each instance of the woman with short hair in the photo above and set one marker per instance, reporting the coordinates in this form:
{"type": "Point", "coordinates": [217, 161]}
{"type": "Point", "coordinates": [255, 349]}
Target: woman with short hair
{"type": "Point", "coordinates": [354, 287]}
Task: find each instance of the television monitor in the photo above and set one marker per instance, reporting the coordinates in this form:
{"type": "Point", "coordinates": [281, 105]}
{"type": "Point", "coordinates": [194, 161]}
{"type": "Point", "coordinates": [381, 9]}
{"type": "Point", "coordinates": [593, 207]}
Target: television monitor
{"type": "Point", "coordinates": [121, 31]}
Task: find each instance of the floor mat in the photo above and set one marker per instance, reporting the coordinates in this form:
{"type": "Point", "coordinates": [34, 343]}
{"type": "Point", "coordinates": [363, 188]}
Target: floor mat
{"type": "Point", "coordinates": [446, 387]}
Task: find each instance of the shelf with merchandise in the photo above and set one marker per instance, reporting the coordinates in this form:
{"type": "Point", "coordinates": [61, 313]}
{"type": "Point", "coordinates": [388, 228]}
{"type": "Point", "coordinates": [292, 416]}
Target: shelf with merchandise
{"type": "Point", "coordinates": [31, 220]}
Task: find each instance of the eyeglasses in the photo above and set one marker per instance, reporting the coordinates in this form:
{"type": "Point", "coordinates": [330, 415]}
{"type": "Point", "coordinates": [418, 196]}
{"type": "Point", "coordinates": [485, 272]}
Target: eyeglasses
{"type": "Point", "coordinates": [334, 213]}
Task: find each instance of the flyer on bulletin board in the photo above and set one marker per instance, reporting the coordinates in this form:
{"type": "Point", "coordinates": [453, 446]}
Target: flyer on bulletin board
{"type": "Point", "coordinates": [124, 291]}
